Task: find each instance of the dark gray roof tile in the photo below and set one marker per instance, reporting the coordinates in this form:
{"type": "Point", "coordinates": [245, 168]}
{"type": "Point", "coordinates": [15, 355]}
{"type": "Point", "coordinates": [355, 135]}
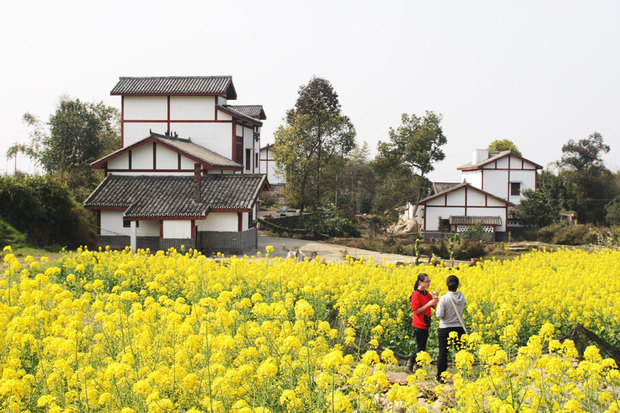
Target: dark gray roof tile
{"type": "Point", "coordinates": [472, 220]}
{"type": "Point", "coordinates": [173, 196]}
{"type": "Point", "coordinates": [253, 111]}
{"type": "Point", "coordinates": [176, 85]}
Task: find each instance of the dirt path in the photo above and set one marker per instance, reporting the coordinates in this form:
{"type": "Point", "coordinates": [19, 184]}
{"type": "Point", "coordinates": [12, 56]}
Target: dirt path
{"type": "Point", "coordinates": [328, 252]}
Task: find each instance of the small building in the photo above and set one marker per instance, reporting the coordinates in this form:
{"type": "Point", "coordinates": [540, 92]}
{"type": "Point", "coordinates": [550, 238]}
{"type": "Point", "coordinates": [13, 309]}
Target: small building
{"type": "Point", "coordinates": [188, 171]}
{"type": "Point", "coordinates": [268, 166]}
{"type": "Point", "coordinates": [492, 185]}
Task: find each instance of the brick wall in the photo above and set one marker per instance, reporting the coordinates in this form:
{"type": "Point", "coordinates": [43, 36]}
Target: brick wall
{"type": "Point", "coordinates": [166, 243]}
{"type": "Point", "coordinates": [116, 242]}
{"type": "Point", "coordinates": [210, 242]}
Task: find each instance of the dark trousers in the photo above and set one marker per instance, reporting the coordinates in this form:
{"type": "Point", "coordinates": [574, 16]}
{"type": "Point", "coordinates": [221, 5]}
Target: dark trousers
{"type": "Point", "coordinates": [421, 337]}
{"type": "Point", "coordinates": [442, 336]}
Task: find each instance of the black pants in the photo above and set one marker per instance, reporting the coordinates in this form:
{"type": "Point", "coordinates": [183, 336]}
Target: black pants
{"type": "Point", "coordinates": [421, 337]}
{"type": "Point", "coordinates": [442, 336]}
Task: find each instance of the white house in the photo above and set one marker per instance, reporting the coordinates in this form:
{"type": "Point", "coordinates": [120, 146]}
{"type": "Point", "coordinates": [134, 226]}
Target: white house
{"type": "Point", "coordinates": [268, 166]}
{"type": "Point", "coordinates": [188, 171]}
{"type": "Point", "coordinates": [492, 184]}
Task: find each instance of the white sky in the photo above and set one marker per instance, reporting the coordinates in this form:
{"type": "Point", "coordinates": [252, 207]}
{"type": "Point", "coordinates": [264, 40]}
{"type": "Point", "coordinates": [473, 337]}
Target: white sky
{"type": "Point", "coordinates": [536, 72]}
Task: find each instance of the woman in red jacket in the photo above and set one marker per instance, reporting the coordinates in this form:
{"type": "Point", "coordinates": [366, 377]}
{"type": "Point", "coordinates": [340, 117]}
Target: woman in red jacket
{"type": "Point", "coordinates": [421, 303]}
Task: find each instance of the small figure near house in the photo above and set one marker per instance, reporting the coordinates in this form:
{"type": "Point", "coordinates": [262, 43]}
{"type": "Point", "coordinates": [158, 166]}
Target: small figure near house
{"type": "Point", "coordinates": [298, 255]}
{"type": "Point", "coordinates": [450, 314]}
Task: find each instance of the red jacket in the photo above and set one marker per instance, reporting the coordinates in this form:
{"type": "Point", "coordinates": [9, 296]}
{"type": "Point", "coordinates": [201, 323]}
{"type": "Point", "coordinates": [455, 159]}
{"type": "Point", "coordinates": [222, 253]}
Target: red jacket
{"type": "Point", "coordinates": [417, 300]}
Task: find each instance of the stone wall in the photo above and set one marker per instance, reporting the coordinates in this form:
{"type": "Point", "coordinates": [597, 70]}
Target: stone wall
{"type": "Point", "coordinates": [210, 242]}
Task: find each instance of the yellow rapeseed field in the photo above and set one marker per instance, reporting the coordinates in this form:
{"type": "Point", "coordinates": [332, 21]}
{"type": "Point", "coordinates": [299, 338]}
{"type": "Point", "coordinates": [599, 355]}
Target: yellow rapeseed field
{"type": "Point", "coordinates": [175, 331]}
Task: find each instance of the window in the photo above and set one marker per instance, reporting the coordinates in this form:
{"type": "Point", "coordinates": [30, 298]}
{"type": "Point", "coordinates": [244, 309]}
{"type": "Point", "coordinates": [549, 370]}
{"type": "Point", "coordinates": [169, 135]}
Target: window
{"type": "Point", "coordinates": [248, 158]}
{"type": "Point", "coordinates": [255, 160]}
{"type": "Point", "coordinates": [239, 150]}
{"type": "Point", "coordinates": [515, 188]}
{"type": "Point", "coordinates": [127, 224]}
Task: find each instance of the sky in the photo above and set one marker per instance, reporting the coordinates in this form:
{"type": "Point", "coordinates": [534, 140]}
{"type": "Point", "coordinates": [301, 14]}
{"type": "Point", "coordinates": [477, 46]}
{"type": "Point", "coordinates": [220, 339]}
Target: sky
{"type": "Point", "coordinates": [536, 72]}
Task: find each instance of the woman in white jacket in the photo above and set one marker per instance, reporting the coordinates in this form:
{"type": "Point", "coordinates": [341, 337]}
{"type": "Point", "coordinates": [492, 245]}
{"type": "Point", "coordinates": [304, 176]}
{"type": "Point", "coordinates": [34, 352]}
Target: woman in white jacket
{"type": "Point", "coordinates": [450, 314]}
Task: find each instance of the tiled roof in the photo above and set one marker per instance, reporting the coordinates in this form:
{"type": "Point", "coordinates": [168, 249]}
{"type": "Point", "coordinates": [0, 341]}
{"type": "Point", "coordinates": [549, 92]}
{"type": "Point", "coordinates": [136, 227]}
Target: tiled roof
{"type": "Point", "coordinates": [494, 156]}
{"type": "Point", "coordinates": [204, 154]}
{"type": "Point", "coordinates": [237, 114]}
{"type": "Point", "coordinates": [173, 196]}
{"type": "Point", "coordinates": [253, 111]}
{"type": "Point", "coordinates": [459, 186]}
{"type": "Point", "coordinates": [176, 85]}
{"type": "Point", "coordinates": [443, 186]}
{"type": "Point", "coordinates": [195, 151]}
{"type": "Point", "coordinates": [469, 220]}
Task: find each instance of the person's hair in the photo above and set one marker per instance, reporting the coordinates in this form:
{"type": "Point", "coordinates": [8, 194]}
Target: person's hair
{"type": "Point", "coordinates": [452, 282]}
{"type": "Point", "coordinates": [421, 277]}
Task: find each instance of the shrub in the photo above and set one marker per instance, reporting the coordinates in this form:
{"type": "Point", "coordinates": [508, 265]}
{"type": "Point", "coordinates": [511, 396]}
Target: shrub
{"type": "Point", "coordinates": [546, 234]}
{"type": "Point", "coordinates": [470, 249]}
{"type": "Point", "coordinates": [11, 236]}
{"type": "Point", "coordinates": [575, 235]}
{"type": "Point", "coordinates": [44, 210]}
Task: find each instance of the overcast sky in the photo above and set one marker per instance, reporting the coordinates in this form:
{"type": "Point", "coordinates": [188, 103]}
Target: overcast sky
{"type": "Point", "coordinates": [536, 72]}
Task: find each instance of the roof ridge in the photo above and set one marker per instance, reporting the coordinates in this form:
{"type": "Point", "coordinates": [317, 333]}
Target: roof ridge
{"type": "Point", "coordinates": [178, 77]}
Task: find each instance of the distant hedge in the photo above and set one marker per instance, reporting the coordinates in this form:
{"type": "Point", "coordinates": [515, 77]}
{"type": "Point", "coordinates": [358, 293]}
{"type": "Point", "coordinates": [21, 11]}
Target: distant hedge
{"type": "Point", "coordinates": [43, 209]}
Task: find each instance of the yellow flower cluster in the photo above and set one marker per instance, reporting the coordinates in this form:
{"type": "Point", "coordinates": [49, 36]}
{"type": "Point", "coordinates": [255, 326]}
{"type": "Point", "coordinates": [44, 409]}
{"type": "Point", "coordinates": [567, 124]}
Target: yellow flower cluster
{"type": "Point", "coordinates": [123, 331]}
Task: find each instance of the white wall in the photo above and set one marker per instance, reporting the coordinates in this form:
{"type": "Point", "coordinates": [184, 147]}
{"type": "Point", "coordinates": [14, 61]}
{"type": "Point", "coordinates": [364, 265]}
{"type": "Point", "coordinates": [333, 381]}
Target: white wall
{"type": "Point", "coordinates": [223, 115]}
{"type": "Point", "coordinates": [120, 162]}
{"type": "Point", "coordinates": [148, 228]}
{"type": "Point", "coordinates": [142, 157]}
{"type": "Point", "coordinates": [456, 197]}
{"type": "Point", "coordinates": [474, 178]}
{"type": "Point", "coordinates": [219, 221]}
{"type": "Point", "coordinates": [213, 136]}
{"type": "Point", "coordinates": [475, 198]}
{"type": "Point", "coordinates": [496, 183]}
{"type": "Point", "coordinates": [145, 108]}
{"type": "Point", "coordinates": [433, 214]}
{"type": "Point", "coordinates": [167, 158]}
{"type": "Point", "coordinates": [192, 107]}
{"type": "Point", "coordinates": [187, 163]}
{"type": "Point", "coordinates": [134, 132]}
{"type": "Point", "coordinates": [502, 162]}
{"type": "Point", "coordinates": [177, 229]}
{"type": "Point", "coordinates": [112, 223]}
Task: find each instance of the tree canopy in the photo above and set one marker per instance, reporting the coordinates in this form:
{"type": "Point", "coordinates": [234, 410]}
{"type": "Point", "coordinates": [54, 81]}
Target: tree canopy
{"type": "Point", "coordinates": [593, 185]}
{"type": "Point", "coordinates": [77, 134]}
{"type": "Point", "coordinates": [501, 145]}
{"type": "Point", "coordinates": [403, 162]}
{"type": "Point", "coordinates": [584, 154]}
{"type": "Point", "coordinates": [315, 135]}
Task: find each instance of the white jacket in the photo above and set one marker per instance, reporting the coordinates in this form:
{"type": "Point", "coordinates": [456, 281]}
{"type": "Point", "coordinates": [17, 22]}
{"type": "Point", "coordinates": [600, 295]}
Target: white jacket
{"type": "Point", "coordinates": [445, 309]}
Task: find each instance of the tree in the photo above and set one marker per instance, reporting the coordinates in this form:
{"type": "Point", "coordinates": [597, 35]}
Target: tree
{"type": "Point", "coordinates": [357, 183]}
{"type": "Point", "coordinates": [501, 145]}
{"type": "Point", "coordinates": [537, 210]}
{"type": "Point", "coordinates": [78, 134]}
{"type": "Point", "coordinates": [613, 211]}
{"type": "Point", "coordinates": [407, 158]}
{"type": "Point", "coordinates": [593, 184]}
{"type": "Point", "coordinates": [315, 134]}
{"type": "Point", "coordinates": [585, 153]}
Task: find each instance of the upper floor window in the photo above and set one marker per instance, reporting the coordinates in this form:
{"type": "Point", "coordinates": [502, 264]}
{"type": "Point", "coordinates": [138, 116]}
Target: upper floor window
{"type": "Point", "coordinates": [515, 188]}
{"type": "Point", "coordinates": [248, 158]}
{"type": "Point", "coordinates": [127, 224]}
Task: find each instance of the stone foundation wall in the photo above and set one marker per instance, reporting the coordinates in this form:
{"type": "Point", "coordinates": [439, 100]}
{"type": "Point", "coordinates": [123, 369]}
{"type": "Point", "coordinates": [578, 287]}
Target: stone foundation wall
{"type": "Point", "coordinates": [115, 242]}
{"type": "Point", "coordinates": [211, 242]}
{"type": "Point", "coordinates": [207, 242]}
{"type": "Point", "coordinates": [167, 243]}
